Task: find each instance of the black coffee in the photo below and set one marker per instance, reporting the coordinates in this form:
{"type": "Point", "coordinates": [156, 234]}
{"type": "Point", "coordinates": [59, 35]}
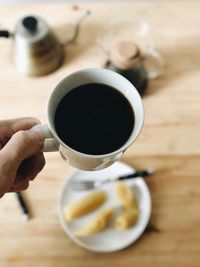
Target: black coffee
{"type": "Point", "coordinates": [94, 119]}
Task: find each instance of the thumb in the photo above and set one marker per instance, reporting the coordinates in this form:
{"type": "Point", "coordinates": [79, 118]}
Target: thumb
{"type": "Point", "coordinates": [23, 144]}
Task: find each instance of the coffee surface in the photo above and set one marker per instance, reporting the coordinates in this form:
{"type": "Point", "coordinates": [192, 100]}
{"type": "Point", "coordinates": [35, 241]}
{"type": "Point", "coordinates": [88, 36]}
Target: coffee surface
{"type": "Point", "coordinates": [94, 119]}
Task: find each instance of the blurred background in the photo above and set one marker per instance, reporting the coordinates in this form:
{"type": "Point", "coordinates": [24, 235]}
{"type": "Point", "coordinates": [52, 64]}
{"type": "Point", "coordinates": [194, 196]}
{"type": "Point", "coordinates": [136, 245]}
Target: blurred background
{"type": "Point", "coordinates": [166, 73]}
{"type": "Point", "coordinates": [48, 1]}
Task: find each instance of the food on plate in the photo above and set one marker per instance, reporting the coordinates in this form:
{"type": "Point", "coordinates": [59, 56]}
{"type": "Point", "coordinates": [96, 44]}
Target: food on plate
{"type": "Point", "coordinates": [84, 205]}
{"type": "Point", "coordinates": [129, 214]}
{"type": "Point", "coordinates": [126, 219]}
{"type": "Point", "coordinates": [126, 195]}
{"type": "Point", "coordinates": [96, 224]}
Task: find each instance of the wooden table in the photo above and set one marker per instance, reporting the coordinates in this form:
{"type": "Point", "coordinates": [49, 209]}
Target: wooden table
{"type": "Point", "coordinates": [169, 141]}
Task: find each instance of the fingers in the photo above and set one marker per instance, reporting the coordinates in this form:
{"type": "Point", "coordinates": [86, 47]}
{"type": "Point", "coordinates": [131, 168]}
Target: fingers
{"type": "Point", "coordinates": [20, 187]}
{"type": "Point", "coordinates": [9, 127]}
{"type": "Point", "coordinates": [22, 145]}
{"type": "Point", "coordinates": [27, 171]}
{"type": "Point", "coordinates": [20, 123]}
{"type": "Point", "coordinates": [19, 141]}
{"type": "Point", "coordinates": [30, 167]}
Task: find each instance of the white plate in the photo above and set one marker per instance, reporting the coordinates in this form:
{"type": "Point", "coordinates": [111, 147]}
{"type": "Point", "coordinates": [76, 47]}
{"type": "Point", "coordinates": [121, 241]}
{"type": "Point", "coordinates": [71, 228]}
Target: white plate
{"type": "Point", "coordinates": [110, 239]}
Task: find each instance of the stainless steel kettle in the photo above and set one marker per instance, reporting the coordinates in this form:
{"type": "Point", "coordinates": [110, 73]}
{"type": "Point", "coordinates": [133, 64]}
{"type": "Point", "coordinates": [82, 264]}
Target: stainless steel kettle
{"type": "Point", "coordinates": [37, 51]}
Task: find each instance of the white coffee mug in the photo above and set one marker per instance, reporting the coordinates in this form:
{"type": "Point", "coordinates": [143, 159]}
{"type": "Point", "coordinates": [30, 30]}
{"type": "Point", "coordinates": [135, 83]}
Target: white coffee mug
{"type": "Point", "coordinates": [92, 75]}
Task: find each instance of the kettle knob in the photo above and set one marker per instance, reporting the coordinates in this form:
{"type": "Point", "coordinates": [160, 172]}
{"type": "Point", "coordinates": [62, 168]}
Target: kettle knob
{"type": "Point", "coordinates": [37, 50]}
{"type": "Point", "coordinates": [30, 23]}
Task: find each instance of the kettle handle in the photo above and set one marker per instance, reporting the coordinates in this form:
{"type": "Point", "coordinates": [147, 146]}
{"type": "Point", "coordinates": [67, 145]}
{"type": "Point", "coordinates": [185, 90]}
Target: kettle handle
{"type": "Point", "coordinates": [4, 33]}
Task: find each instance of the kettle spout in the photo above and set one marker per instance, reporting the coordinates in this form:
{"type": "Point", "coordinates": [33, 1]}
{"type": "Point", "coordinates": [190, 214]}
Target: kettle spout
{"type": "Point", "coordinates": [77, 26]}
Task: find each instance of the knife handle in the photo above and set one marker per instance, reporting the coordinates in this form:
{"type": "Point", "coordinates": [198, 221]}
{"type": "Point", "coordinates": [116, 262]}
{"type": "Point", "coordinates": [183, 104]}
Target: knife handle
{"type": "Point", "coordinates": [136, 174]}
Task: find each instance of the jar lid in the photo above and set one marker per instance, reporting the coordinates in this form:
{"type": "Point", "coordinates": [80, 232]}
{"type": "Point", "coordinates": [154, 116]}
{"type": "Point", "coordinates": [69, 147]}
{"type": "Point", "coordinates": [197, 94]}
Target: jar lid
{"type": "Point", "coordinates": [124, 55]}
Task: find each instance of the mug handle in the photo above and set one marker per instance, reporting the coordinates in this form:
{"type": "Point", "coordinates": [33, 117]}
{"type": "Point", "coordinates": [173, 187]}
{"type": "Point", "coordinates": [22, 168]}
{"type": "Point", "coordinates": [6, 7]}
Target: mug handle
{"type": "Point", "coordinates": [50, 143]}
{"type": "Point", "coordinates": [153, 56]}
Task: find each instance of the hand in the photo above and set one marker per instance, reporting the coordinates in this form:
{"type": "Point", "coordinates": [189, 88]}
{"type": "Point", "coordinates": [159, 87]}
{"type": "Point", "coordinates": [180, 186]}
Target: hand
{"type": "Point", "coordinates": [21, 157]}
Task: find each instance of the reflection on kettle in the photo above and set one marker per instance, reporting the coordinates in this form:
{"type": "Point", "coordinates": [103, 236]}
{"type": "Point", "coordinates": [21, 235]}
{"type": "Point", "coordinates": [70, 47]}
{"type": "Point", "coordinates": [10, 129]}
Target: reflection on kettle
{"type": "Point", "coordinates": [37, 51]}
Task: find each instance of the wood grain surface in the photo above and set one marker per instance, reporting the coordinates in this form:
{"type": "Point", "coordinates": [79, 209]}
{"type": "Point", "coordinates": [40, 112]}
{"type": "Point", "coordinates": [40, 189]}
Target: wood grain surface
{"type": "Point", "coordinates": [169, 141]}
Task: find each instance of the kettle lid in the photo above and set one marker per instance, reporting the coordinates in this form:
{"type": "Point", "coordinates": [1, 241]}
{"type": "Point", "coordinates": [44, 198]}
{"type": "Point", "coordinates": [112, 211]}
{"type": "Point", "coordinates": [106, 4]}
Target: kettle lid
{"type": "Point", "coordinates": [31, 27]}
{"type": "Point", "coordinates": [30, 23]}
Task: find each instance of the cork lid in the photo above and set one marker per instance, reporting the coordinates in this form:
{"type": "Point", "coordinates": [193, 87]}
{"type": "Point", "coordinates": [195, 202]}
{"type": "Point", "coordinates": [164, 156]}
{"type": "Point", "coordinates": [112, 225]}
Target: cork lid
{"type": "Point", "coordinates": [124, 55]}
